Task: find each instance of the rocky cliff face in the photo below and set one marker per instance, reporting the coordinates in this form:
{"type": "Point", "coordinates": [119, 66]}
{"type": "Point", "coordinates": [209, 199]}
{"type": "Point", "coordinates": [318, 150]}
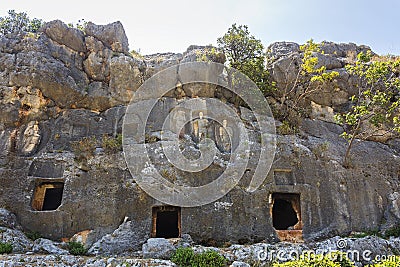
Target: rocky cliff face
{"type": "Point", "coordinates": [61, 85]}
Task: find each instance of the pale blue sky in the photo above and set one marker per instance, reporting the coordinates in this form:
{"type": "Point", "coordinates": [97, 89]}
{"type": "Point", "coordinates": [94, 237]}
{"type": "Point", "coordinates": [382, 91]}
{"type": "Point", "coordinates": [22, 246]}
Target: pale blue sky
{"type": "Point", "coordinates": [172, 25]}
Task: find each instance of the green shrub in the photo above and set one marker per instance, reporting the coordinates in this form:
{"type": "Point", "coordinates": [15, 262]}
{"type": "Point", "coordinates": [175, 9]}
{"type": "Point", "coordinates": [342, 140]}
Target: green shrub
{"type": "Point", "coordinates": [185, 257]}
{"type": "Point", "coordinates": [33, 235]}
{"type": "Point", "coordinates": [5, 248]}
{"type": "Point", "coordinates": [208, 258]}
{"type": "Point", "coordinates": [394, 231]}
{"type": "Point", "coordinates": [76, 248]}
{"type": "Point", "coordinates": [110, 144]}
{"type": "Point", "coordinates": [18, 22]}
{"type": "Point", "coordinates": [286, 128]}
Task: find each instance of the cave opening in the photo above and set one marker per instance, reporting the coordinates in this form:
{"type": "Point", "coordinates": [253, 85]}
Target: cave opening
{"type": "Point", "coordinates": [283, 215]}
{"type": "Point", "coordinates": [286, 211]}
{"type": "Point", "coordinates": [166, 222]}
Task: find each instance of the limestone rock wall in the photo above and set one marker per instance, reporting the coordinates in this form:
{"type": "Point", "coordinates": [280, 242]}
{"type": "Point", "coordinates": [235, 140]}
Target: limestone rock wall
{"type": "Point", "coordinates": [61, 85]}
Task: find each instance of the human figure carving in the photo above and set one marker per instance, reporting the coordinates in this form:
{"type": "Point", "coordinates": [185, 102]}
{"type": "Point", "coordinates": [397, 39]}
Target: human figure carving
{"type": "Point", "coordinates": [225, 135]}
{"type": "Point", "coordinates": [202, 125]}
{"type": "Point", "coordinates": [31, 138]}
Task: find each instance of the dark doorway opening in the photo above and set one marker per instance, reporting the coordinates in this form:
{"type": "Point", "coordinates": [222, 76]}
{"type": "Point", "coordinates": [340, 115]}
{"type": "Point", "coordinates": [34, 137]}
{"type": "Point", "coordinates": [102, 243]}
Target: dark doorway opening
{"type": "Point", "coordinates": [283, 215]}
{"type": "Point", "coordinates": [286, 211]}
{"type": "Point", "coordinates": [52, 198]}
{"type": "Point", "coordinates": [166, 222]}
{"type": "Point", "coordinates": [48, 196]}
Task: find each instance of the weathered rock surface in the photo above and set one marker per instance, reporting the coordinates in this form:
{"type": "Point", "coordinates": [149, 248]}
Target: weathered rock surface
{"type": "Point", "coordinates": [62, 85]}
{"type": "Point", "coordinates": [9, 220]}
{"type": "Point", "coordinates": [392, 212]}
{"type": "Point", "coordinates": [284, 60]}
{"type": "Point", "coordinates": [73, 261]}
{"type": "Point", "coordinates": [17, 238]}
{"type": "Point", "coordinates": [158, 248]}
{"type": "Point", "coordinates": [124, 240]}
{"type": "Point", "coordinates": [112, 35]}
{"type": "Point", "coordinates": [62, 34]}
{"type": "Point", "coordinates": [46, 246]}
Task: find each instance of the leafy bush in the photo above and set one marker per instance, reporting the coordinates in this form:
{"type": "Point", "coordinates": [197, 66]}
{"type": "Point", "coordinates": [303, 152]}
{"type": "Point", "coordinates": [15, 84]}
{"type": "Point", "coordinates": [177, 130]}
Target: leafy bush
{"type": "Point", "coordinates": [246, 54]}
{"type": "Point", "coordinates": [76, 248]}
{"type": "Point", "coordinates": [185, 257]}
{"type": "Point", "coordinates": [5, 248]}
{"type": "Point", "coordinates": [110, 144]}
{"type": "Point", "coordinates": [286, 128]}
{"type": "Point", "coordinates": [209, 258]}
{"type": "Point", "coordinates": [84, 148]}
{"type": "Point", "coordinates": [394, 231]}
{"type": "Point", "coordinates": [18, 23]}
{"type": "Point", "coordinates": [33, 235]}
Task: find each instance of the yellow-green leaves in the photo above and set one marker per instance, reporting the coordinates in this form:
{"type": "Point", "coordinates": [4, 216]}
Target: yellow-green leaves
{"type": "Point", "coordinates": [309, 64]}
{"type": "Point", "coordinates": [375, 109]}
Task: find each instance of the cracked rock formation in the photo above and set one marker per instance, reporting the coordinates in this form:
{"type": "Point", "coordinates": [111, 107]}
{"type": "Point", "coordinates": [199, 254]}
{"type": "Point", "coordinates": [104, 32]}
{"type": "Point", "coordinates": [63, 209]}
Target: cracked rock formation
{"type": "Point", "coordinates": [64, 92]}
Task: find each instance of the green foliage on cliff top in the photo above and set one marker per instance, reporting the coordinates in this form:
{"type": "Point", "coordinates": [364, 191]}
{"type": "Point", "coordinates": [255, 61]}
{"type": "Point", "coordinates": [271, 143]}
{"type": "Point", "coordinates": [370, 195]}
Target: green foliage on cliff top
{"type": "Point", "coordinates": [17, 23]}
{"type": "Point", "coordinates": [246, 54]}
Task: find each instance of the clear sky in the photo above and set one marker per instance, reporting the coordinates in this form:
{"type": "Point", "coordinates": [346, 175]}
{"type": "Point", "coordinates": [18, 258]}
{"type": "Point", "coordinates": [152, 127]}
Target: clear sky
{"type": "Point", "coordinates": [172, 25]}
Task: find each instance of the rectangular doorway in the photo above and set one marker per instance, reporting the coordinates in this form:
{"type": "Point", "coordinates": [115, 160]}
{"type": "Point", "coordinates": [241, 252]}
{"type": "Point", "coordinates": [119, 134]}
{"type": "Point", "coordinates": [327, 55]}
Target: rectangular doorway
{"type": "Point", "coordinates": [47, 196]}
{"type": "Point", "coordinates": [286, 216]}
{"type": "Point", "coordinates": [166, 222]}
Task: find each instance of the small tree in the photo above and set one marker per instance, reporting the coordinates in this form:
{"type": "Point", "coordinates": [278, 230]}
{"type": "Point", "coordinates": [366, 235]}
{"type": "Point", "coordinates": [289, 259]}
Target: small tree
{"type": "Point", "coordinates": [309, 79]}
{"type": "Point", "coordinates": [375, 109]}
{"type": "Point", "coordinates": [246, 54]}
{"type": "Point", "coordinates": [17, 23]}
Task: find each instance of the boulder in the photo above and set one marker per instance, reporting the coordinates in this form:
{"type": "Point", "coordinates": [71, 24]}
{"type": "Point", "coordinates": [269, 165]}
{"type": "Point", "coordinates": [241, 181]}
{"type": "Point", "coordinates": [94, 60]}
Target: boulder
{"type": "Point", "coordinates": [50, 75]}
{"type": "Point", "coordinates": [47, 246]}
{"type": "Point", "coordinates": [9, 220]}
{"type": "Point", "coordinates": [158, 248]}
{"type": "Point", "coordinates": [281, 49]}
{"type": "Point", "coordinates": [62, 34]}
{"type": "Point", "coordinates": [126, 76]}
{"type": "Point", "coordinates": [201, 54]}
{"type": "Point", "coordinates": [160, 61]}
{"type": "Point", "coordinates": [112, 35]}
{"type": "Point", "coordinates": [185, 241]}
{"type": "Point", "coordinates": [285, 70]}
{"type": "Point", "coordinates": [17, 238]}
{"type": "Point", "coordinates": [328, 61]}
{"type": "Point", "coordinates": [348, 50]}
{"type": "Point", "coordinates": [97, 64]}
{"type": "Point", "coordinates": [123, 240]}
